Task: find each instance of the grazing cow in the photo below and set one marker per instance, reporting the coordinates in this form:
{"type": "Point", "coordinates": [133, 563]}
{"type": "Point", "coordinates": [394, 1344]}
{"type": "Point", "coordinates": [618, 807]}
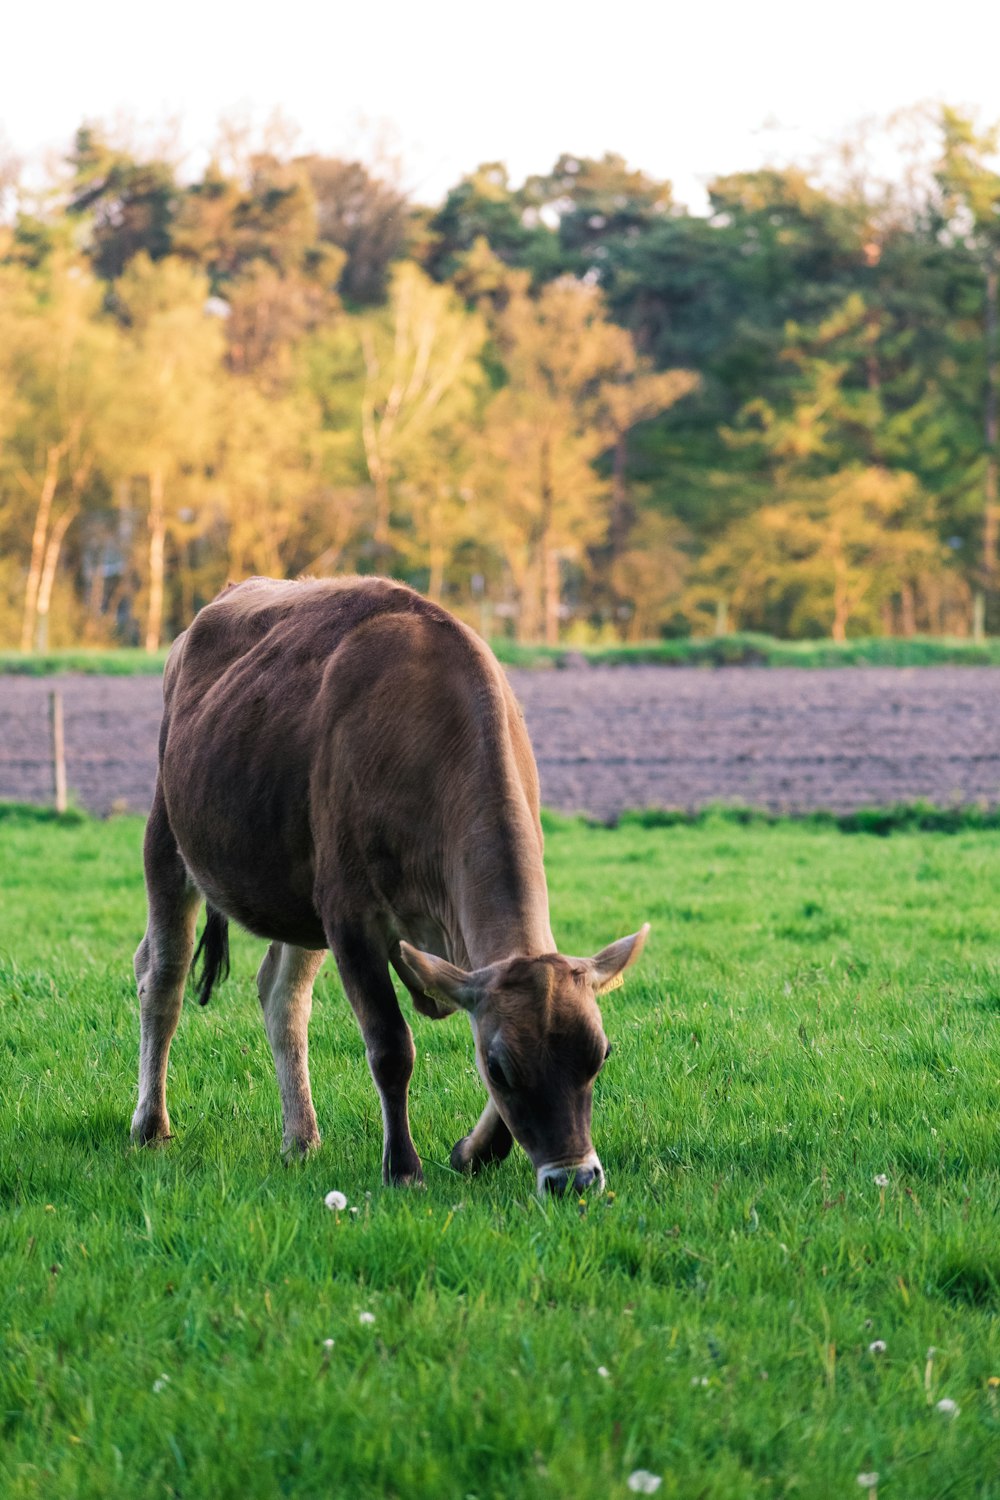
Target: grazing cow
{"type": "Point", "coordinates": [343, 765]}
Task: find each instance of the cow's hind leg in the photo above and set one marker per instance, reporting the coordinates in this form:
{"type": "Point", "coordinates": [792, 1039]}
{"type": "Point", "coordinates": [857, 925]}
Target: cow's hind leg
{"type": "Point", "coordinates": [364, 969]}
{"type": "Point", "coordinates": [162, 961]}
{"type": "Point", "coordinates": [285, 985]}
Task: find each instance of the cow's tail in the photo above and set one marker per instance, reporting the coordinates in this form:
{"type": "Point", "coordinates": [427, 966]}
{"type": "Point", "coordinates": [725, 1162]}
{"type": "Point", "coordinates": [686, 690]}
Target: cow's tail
{"type": "Point", "coordinates": [212, 952]}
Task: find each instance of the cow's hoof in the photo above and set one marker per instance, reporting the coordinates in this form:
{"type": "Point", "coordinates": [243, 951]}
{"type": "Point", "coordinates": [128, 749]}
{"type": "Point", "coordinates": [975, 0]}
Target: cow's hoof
{"type": "Point", "coordinates": [298, 1149]}
{"type": "Point", "coordinates": [405, 1173]}
{"type": "Point", "coordinates": [462, 1158]}
{"type": "Point", "coordinates": [465, 1157]}
{"type": "Point", "coordinates": [149, 1130]}
{"type": "Point", "coordinates": [406, 1180]}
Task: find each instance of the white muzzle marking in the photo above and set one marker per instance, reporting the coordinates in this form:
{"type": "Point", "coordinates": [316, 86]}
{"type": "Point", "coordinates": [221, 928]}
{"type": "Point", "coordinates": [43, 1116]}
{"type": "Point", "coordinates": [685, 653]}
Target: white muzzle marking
{"type": "Point", "coordinates": [581, 1175]}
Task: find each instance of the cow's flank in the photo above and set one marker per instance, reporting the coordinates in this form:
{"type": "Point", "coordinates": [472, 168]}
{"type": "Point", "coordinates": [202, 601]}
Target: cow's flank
{"type": "Point", "coordinates": [343, 765]}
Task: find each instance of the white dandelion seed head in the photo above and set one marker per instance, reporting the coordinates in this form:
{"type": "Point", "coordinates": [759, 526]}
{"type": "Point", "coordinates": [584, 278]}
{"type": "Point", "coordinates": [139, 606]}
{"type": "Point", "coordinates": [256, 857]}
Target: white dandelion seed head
{"type": "Point", "coordinates": [877, 1346]}
{"type": "Point", "coordinates": [931, 1352]}
{"type": "Point", "coordinates": [947, 1407]}
{"type": "Point", "coordinates": [366, 1317]}
{"type": "Point", "coordinates": [160, 1384]}
{"type": "Point", "coordinates": [328, 1343]}
{"type": "Point", "coordinates": [642, 1482]}
{"type": "Point", "coordinates": [881, 1180]}
{"type": "Point", "coordinates": [699, 1380]}
{"type": "Point", "coordinates": [603, 1371]}
{"type": "Point", "coordinates": [354, 1208]}
{"type": "Point", "coordinates": [868, 1481]}
{"type": "Point", "coordinates": [335, 1200]}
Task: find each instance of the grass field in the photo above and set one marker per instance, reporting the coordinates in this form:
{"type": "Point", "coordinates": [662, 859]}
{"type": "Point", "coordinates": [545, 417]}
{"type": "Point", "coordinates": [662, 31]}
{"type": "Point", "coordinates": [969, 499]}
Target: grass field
{"type": "Point", "coordinates": [739, 649]}
{"type": "Point", "coordinates": [815, 1011]}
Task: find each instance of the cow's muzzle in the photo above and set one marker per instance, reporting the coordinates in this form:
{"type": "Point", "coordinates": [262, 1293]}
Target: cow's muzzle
{"type": "Point", "coordinates": [580, 1176]}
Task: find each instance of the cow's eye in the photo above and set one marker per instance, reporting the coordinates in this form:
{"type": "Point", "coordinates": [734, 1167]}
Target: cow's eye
{"type": "Point", "coordinates": [495, 1072]}
{"type": "Point", "coordinates": [607, 1052]}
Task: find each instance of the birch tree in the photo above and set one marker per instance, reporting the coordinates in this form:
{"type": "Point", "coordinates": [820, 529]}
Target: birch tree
{"type": "Point", "coordinates": [172, 370]}
{"type": "Point", "coordinates": [421, 373]}
{"type": "Point", "coordinates": [57, 354]}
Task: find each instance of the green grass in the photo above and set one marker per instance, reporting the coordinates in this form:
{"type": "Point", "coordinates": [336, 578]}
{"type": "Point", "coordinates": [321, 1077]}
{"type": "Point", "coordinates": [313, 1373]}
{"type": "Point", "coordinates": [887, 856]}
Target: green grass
{"type": "Point", "coordinates": [742, 649]}
{"type": "Point", "coordinates": [125, 662]}
{"type": "Point", "coordinates": [812, 1010]}
{"type": "Point", "coordinates": [749, 649]}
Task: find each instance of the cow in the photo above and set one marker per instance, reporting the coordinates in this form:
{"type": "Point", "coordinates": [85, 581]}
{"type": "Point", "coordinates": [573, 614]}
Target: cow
{"type": "Point", "coordinates": [343, 766]}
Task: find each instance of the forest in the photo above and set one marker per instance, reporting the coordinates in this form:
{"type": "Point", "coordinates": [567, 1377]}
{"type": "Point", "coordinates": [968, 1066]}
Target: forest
{"type": "Point", "coordinates": [571, 409]}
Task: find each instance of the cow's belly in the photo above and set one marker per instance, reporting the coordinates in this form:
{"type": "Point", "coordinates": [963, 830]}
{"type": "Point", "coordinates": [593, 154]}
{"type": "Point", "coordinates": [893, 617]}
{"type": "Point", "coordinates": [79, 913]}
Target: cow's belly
{"type": "Point", "coordinates": [242, 825]}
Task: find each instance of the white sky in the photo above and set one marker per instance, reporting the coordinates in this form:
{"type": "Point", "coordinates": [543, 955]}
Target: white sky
{"type": "Point", "coordinates": [682, 90]}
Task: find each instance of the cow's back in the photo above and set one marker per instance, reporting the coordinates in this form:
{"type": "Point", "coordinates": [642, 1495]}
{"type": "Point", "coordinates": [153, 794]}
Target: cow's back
{"type": "Point", "coordinates": [327, 713]}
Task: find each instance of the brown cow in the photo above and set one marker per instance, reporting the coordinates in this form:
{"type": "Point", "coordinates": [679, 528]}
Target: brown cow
{"type": "Point", "coordinates": [343, 765]}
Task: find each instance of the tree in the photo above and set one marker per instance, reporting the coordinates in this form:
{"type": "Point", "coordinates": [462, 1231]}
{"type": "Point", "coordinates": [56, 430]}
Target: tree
{"type": "Point", "coordinates": [171, 368]}
{"type": "Point", "coordinates": [573, 387]}
{"type": "Point", "coordinates": [484, 206]}
{"type": "Point", "coordinates": [57, 354]}
{"type": "Point", "coordinates": [835, 551]}
{"type": "Point", "coordinates": [971, 182]}
{"type": "Point", "coordinates": [258, 241]}
{"type": "Point", "coordinates": [421, 374]}
{"type": "Point", "coordinates": [130, 204]}
{"type": "Point", "coordinates": [594, 204]}
{"type": "Point", "coordinates": [365, 218]}
{"type": "Point", "coordinates": [649, 575]}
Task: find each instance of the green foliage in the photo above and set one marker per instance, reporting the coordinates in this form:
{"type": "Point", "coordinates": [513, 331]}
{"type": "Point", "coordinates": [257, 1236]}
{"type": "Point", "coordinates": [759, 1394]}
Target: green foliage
{"type": "Point", "coordinates": [748, 648]}
{"type": "Point", "coordinates": [632, 421]}
{"type": "Point", "coordinates": [745, 648]}
{"type": "Point", "coordinates": [813, 1012]}
{"type": "Point", "coordinates": [120, 663]}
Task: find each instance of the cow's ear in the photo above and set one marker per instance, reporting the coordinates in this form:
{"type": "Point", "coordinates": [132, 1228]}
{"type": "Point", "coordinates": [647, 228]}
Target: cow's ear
{"type": "Point", "coordinates": [445, 986]}
{"type": "Point", "coordinates": [606, 968]}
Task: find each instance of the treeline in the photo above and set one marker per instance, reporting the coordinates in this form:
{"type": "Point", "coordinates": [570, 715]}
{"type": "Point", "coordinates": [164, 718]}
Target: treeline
{"type": "Point", "coordinates": [571, 409]}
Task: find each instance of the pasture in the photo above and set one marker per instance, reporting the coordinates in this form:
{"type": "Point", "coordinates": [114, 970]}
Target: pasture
{"type": "Point", "coordinates": [814, 1011]}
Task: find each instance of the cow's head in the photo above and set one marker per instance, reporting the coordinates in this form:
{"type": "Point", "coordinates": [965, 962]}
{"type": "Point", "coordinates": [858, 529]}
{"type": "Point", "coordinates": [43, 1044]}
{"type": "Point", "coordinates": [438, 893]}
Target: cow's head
{"type": "Point", "coordinates": [540, 1044]}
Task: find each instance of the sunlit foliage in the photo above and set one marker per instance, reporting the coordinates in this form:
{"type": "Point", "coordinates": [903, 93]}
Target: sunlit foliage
{"type": "Point", "coordinates": [570, 409]}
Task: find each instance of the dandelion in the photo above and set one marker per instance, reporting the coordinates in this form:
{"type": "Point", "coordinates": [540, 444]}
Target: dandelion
{"type": "Point", "coordinates": [160, 1384]}
{"type": "Point", "coordinates": [603, 1371]}
{"type": "Point", "coordinates": [642, 1482]}
{"type": "Point", "coordinates": [881, 1180]}
{"type": "Point", "coordinates": [366, 1317]}
{"type": "Point", "coordinates": [335, 1201]}
{"type": "Point", "coordinates": [877, 1346]}
{"type": "Point", "coordinates": [354, 1208]}
{"type": "Point", "coordinates": [699, 1380]}
{"type": "Point", "coordinates": [947, 1407]}
{"type": "Point", "coordinates": [328, 1343]}
{"type": "Point", "coordinates": [868, 1481]}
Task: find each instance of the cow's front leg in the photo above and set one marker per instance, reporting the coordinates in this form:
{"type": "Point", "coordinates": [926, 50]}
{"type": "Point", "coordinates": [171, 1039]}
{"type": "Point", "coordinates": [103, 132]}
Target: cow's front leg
{"type": "Point", "coordinates": [285, 985]}
{"type": "Point", "coordinates": [364, 969]}
{"type": "Point", "coordinates": [489, 1141]}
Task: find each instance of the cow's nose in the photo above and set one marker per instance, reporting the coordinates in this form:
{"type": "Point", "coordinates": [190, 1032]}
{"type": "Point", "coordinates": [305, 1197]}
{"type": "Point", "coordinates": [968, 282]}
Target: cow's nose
{"type": "Point", "coordinates": [584, 1175]}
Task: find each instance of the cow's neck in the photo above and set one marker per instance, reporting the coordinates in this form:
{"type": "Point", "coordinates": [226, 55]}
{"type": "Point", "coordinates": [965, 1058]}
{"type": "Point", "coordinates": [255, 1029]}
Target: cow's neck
{"type": "Point", "coordinates": [500, 895]}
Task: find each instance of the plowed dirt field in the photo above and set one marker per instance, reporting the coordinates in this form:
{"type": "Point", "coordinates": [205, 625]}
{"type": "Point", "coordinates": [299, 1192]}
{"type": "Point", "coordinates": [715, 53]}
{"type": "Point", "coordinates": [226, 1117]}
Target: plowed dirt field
{"type": "Point", "coordinates": [608, 739]}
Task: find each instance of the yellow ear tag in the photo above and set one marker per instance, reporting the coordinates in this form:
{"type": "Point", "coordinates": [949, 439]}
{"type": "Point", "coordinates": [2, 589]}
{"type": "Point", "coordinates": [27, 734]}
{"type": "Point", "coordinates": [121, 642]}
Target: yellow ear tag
{"type": "Point", "coordinates": [612, 984]}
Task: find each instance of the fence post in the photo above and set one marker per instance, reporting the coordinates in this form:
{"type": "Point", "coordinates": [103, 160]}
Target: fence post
{"type": "Point", "coordinates": [58, 750]}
